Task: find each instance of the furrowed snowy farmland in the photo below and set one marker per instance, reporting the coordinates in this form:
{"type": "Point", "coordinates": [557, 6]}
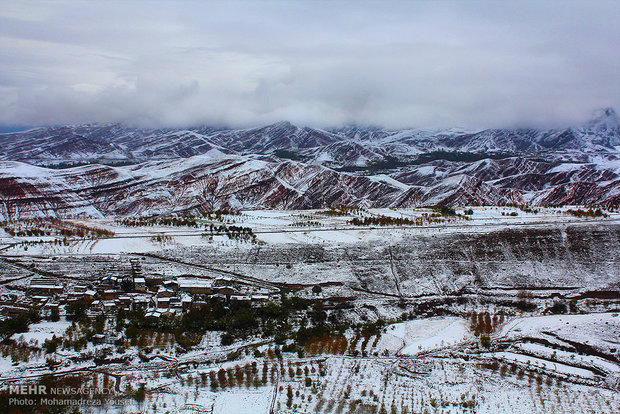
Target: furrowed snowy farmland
{"type": "Point", "coordinates": [339, 310]}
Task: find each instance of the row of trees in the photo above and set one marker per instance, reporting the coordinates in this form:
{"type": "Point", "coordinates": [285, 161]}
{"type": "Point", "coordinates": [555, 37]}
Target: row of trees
{"type": "Point", "coordinates": [238, 233]}
{"type": "Point", "coordinates": [38, 227]}
{"type": "Point", "coordinates": [149, 221]}
{"type": "Point", "coordinates": [593, 213]}
{"type": "Point", "coordinates": [340, 211]}
{"type": "Point", "coordinates": [439, 214]}
{"type": "Point", "coordinates": [484, 323]}
{"type": "Point", "coordinates": [382, 221]}
{"type": "Point", "coordinates": [184, 220]}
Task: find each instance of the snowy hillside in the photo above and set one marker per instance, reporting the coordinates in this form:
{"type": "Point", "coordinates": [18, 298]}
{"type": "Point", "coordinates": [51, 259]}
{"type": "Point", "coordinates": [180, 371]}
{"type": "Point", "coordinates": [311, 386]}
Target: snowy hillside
{"type": "Point", "coordinates": [119, 170]}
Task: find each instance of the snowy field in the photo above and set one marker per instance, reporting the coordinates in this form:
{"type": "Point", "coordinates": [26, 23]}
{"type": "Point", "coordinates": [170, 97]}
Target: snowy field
{"type": "Point", "coordinates": [600, 330]}
{"type": "Point", "coordinates": [423, 282]}
{"type": "Point", "coordinates": [41, 331]}
{"type": "Point", "coordinates": [286, 227]}
{"type": "Point", "coordinates": [413, 337]}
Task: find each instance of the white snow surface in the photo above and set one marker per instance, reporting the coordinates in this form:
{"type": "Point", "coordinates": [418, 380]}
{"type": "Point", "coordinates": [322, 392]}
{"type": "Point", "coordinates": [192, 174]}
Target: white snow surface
{"type": "Point", "coordinates": [413, 337]}
{"type": "Point", "coordinates": [43, 330]}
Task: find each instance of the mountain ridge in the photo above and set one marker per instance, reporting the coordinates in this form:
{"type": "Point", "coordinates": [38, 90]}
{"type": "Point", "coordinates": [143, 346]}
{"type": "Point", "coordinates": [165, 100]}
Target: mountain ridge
{"type": "Point", "coordinates": [601, 133]}
{"type": "Point", "coordinates": [118, 170]}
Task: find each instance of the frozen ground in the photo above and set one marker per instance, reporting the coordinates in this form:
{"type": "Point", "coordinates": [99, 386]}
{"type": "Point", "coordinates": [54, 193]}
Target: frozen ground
{"type": "Point", "coordinates": [413, 337]}
{"type": "Point", "coordinates": [41, 331]}
{"type": "Point", "coordinates": [600, 330]}
{"type": "Point", "coordinates": [286, 227]}
{"type": "Point", "coordinates": [424, 281]}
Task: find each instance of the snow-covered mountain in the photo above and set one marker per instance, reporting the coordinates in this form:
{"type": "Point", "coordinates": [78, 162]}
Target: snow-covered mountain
{"type": "Point", "coordinates": [118, 142]}
{"type": "Point", "coordinates": [121, 170]}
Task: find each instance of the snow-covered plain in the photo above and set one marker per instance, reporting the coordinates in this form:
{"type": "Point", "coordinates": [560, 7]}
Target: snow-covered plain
{"type": "Point", "coordinates": [601, 330]}
{"type": "Point", "coordinates": [423, 335]}
{"type": "Point", "coordinates": [292, 227]}
{"type": "Point", "coordinates": [42, 331]}
{"type": "Point", "coordinates": [424, 281]}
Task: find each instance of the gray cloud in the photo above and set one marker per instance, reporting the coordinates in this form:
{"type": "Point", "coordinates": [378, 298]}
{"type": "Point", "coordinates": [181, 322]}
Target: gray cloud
{"type": "Point", "coordinates": [472, 64]}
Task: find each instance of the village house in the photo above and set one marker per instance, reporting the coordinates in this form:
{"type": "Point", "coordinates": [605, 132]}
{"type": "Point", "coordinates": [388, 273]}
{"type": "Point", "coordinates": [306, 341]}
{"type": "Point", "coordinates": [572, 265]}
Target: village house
{"type": "Point", "coordinates": [80, 292]}
{"type": "Point", "coordinates": [39, 300]}
{"type": "Point", "coordinates": [172, 285]}
{"type": "Point", "coordinates": [153, 314]}
{"type": "Point", "coordinates": [140, 301]}
{"type": "Point", "coordinates": [98, 339]}
{"type": "Point", "coordinates": [125, 302]}
{"type": "Point", "coordinates": [108, 281]}
{"type": "Point", "coordinates": [260, 298]}
{"type": "Point", "coordinates": [240, 298]}
{"type": "Point", "coordinates": [108, 306]}
{"type": "Point", "coordinates": [176, 306]}
{"type": "Point", "coordinates": [45, 286]}
{"type": "Point", "coordinates": [164, 292]}
{"type": "Point", "coordinates": [226, 291]}
{"type": "Point", "coordinates": [162, 302]}
{"type": "Point", "coordinates": [110, 294]}
{"type": "Point", "coordinates": [196, 286]}
{"type": "Point", "coordinates": [139, 284]}
{"type": "Point", "coordinates": [79, 288]}
{"type": "Point", "coordinates": [50, 306]}
{"type": "Point", "coordinates": [95, 309]}
{"type": "Point", "coordinates": [186, 303]}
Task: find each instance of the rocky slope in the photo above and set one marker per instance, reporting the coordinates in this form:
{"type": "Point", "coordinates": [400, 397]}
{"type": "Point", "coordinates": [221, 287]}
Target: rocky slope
{"type": "Point", "coordinates": [557, 258]}
{"type": "Point", "coordinates": [121, 170]}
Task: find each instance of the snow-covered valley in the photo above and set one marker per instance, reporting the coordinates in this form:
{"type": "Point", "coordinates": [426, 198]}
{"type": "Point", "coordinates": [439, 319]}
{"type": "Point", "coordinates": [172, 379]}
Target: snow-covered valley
{"type": "Point", "coordinates": [501, 309]}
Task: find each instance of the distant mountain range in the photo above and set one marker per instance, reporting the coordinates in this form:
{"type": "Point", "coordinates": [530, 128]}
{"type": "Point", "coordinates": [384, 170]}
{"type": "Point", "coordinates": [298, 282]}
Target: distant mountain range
{"type": "Point", "coordinates": [115, 170]}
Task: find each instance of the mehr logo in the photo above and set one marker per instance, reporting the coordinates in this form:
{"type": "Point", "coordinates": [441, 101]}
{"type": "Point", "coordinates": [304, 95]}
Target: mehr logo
{"type": "Point", "coordinates": [27, 389]}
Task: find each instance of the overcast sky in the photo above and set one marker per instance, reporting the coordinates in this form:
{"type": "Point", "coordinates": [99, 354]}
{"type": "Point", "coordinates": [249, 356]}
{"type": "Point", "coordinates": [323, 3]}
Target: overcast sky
{"type": "Point", "coordinates": [395, 64]}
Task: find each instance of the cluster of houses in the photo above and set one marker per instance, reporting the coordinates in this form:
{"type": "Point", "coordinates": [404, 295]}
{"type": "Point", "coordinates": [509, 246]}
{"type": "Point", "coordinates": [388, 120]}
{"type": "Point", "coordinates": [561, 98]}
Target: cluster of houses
{"type": "Point", "coordinates": [156, 296]}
